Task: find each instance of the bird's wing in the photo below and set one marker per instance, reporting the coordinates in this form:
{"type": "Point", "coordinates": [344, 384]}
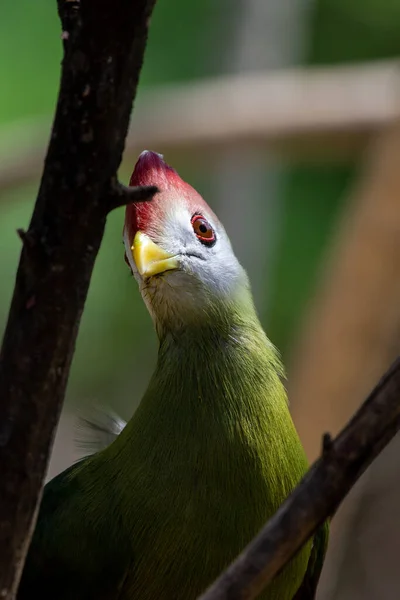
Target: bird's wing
{"type": "Point", "coordinates": [68, 559]}
{"type": "Point", "coordinates": [308, 588]}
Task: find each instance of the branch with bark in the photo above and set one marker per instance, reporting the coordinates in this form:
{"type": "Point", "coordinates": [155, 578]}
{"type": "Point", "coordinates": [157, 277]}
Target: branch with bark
{"type": "Point", "coordinates": [104, 44]}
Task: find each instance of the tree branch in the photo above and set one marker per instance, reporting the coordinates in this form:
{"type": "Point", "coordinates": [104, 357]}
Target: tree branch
{"type": "Point", "coordinates": [121, 195]}
{"type": "Point", "coordinates": [103, 51]}
{"type": "Point", "coordinates": [318, 495]}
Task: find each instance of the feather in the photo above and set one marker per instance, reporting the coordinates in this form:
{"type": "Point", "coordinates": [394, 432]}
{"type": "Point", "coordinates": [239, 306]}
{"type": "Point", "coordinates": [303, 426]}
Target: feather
{"type": "Point", "coordinates": [96, 428]}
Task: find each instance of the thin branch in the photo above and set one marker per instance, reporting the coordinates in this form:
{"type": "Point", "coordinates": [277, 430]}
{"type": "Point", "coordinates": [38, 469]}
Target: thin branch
{"type": "Point", "coordinates": [121, 195]}
{"type": "Point", "coordinates": [318, 495]}
{"type": "Point", "coordinates": [103, 51]}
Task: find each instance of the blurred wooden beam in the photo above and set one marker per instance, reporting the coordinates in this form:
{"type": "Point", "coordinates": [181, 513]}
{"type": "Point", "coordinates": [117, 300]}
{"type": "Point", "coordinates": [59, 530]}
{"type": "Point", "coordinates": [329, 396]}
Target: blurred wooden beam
{"type": "Point", "coordinates": [285, 110]}
{"type": "Point", "coordinates": [302, 114]}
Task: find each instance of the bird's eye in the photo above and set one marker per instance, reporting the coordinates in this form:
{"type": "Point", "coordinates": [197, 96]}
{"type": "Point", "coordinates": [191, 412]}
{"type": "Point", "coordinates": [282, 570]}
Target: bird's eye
{"type": "Point", "coordinates": [203, 230]}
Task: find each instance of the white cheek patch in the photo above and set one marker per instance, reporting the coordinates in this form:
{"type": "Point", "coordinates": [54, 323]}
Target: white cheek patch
{"type": "Point", "coordinates": [176, 222]}
{"type": "Point", "coordinates": [181, 219]}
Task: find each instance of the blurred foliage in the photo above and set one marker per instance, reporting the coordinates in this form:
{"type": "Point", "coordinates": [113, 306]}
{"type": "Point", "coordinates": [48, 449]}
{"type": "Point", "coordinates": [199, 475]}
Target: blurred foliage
{"type": "Point", "coordinates": [30, 55]}
{"type": "Point", "coordinates": [116, 348]}
{"type": "Point", "coordinates": [313, 199]}
{"type": "Point", "coordinates": [340, 31]}
{"type": "Point", "coordinates": [349, 30]}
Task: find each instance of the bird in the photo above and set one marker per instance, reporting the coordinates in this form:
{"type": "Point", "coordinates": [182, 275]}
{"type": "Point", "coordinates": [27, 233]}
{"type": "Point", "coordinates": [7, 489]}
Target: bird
{"type": "Point", "coordinates": [210, 453]}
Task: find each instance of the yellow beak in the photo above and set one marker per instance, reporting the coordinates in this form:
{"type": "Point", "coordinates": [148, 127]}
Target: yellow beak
{"type": "Point", "coordinates": [149, 258]}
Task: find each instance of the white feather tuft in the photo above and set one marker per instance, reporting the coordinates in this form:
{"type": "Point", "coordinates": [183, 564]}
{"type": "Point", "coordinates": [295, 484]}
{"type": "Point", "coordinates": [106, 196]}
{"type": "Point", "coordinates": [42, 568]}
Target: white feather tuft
{"type": "Point", "coordinates": [96, 428]}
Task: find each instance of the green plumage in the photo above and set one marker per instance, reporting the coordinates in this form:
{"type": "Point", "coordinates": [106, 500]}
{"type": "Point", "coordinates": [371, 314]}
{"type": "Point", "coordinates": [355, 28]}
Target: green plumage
{"type": "Point", "coordinates": [208, 457]}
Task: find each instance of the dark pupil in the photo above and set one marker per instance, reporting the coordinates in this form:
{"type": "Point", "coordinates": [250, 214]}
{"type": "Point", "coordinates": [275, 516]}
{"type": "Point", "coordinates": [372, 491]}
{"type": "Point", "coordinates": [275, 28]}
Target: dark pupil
{"type": "Point", "coordinates": [203, 228]}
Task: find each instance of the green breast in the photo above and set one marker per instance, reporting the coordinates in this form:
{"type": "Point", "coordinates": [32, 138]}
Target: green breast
{"type": "Point", "coordinates": [209, 456]}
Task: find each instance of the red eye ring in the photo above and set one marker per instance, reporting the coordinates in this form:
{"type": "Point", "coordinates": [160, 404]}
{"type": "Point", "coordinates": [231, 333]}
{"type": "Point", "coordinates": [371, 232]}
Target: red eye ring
{"type": "Point", "coordinates": [203, 230]}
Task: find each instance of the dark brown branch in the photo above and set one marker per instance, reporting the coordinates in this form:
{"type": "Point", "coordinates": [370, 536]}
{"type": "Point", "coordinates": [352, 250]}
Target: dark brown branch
{"type": "Point", "coordinates": [318, 495]}
{"type": "Point", "coordinates": [121, 195]}
{"type": "Point", "coordinates": [104, 44]}
{"type": "Point", "coordinates": [26, 238]}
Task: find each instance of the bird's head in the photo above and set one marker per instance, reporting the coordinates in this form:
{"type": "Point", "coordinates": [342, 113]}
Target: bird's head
{"type": "Point", "coordinates": [178, 250]}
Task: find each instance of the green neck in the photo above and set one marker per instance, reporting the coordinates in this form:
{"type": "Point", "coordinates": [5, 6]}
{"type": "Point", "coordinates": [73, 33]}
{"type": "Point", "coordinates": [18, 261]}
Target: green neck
{"type": "Point", "coordinates": [209, 456]}
{"type": "Point", "coordinates": [216, 392]}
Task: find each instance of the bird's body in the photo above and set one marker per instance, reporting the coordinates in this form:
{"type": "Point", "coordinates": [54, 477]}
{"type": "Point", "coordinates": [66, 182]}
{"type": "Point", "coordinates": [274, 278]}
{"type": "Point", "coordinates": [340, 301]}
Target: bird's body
{"type": "Point", "coordinates": [207, 458]}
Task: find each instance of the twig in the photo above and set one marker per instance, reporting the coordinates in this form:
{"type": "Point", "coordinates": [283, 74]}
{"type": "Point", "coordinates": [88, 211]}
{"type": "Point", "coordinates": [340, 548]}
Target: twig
{"type": "Point", "coordinates": [121, 195]}
{"type": "Point", "coordinates": [104, 44]}
{"type": "Point", "coordinates": [317, 496]}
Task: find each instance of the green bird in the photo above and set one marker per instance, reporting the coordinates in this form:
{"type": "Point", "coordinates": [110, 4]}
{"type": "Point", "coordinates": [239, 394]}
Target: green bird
{"type": "Point", "coordinates": [211, 452]}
